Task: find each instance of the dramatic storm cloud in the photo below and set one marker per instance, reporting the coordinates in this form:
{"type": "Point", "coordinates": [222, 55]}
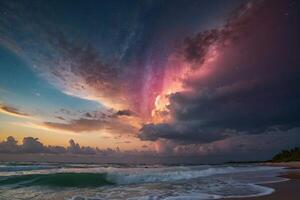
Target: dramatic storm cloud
{"type": "Point", "coordinates": [185, 132]}
{"type": "Point", "coordinates": [179, 77]}
{"type": "Point", "coordinates": [244, 79]}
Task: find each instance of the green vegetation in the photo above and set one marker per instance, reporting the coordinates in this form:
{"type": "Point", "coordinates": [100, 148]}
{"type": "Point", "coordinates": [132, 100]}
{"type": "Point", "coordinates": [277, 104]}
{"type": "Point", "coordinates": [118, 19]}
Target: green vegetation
{"type": "Point", "coordinates": [287, 155]}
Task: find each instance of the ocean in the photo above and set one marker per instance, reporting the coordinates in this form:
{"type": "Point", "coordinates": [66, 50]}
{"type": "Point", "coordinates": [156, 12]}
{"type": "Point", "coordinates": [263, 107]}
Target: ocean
{"type": "Point", "coordinates": [134, 182]}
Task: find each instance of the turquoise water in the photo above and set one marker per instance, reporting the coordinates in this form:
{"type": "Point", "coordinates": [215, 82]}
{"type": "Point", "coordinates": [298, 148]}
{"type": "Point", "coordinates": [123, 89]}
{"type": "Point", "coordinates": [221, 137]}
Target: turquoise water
{"type": "Point", "coordinates": [112, 182]}
{"type": "Point", "coordinates": [58, 180]}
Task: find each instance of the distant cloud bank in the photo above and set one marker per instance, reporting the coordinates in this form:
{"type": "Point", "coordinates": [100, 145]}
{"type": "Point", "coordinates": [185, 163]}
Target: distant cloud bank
{"type": "Point", "coordinates": [33, 145]}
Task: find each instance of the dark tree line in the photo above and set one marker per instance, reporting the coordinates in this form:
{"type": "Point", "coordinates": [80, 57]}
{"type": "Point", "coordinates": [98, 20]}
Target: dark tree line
{"type": "Point", "coordinates": [287, 155]}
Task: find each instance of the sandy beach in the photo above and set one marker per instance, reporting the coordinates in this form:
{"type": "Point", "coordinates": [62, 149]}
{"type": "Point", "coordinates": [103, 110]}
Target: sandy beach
{"type": "Point", "coordinates": [287, 190]}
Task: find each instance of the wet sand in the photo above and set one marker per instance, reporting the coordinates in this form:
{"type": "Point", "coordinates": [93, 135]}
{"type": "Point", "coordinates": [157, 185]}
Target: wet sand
{"type": "Point", "coordinates": [287, 190]}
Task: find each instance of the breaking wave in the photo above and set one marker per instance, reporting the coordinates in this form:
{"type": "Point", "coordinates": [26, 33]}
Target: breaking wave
{"type": "Point", "coordinates": [58, 180]}
{"type": "Point", "coordinates": [137, 183]}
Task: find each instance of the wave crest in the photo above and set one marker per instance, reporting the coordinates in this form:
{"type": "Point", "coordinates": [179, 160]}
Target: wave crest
{"type": "Point", "coordinates": [59, 180]}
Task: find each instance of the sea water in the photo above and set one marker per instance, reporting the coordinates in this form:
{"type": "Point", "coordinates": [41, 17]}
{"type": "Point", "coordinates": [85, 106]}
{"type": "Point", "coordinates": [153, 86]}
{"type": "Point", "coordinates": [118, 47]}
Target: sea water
{"type": "Point", "coordinates": [114, 182]}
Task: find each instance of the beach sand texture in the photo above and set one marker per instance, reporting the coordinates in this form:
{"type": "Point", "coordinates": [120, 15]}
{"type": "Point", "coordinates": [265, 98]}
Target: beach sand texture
{"type": "Point", "coordinates": [288, 190]}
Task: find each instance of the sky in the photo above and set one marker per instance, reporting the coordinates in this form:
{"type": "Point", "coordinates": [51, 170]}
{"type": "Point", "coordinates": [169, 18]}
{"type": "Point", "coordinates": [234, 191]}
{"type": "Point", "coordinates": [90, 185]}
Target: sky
{"type": "Point", "coordinates": [211, 79]}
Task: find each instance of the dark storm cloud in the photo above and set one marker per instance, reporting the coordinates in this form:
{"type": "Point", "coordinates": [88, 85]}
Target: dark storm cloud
{"type": "Point", "coordinates": [195, 48]}
{"type": "Point", "coordinates": [239, 25]}
{"type": "Point", "coordinates": [251, 90]}
{"type": "Point", "coordinates": [181, 133]}
{"type": "Point", "coordinates": [254, 84]}
{"type": "Point", "coordinates": [101, 51]}
{"type": "Point", "coordinates": [245, 147]}
{"type": "Point", "coordinates": [248, 107]}
{"type": "Point", "coordinates": [117, 52]}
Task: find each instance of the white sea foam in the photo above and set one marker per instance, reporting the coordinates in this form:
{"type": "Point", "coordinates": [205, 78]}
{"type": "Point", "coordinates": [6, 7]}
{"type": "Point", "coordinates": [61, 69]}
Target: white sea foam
{"type": "Point", "coordinates": [175, 174]}
{"type": "Point", "coordinates": [188, 183]}
{"type": "Point", "coordinates": [15, 168]}
{"type": "Point", "coordinates": [161, 183]}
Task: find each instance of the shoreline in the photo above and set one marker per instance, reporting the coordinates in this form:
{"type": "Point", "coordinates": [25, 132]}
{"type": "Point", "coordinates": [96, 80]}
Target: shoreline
{"type": "Point", "coordinates": [289, 189]}
{"type": "Point", "coordinates": [289, 165]}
